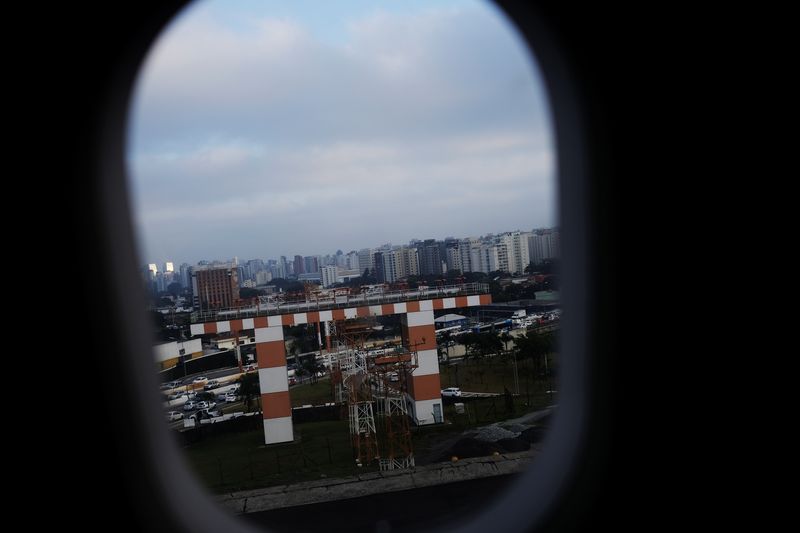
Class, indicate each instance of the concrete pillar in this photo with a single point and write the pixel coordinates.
(424, 387)
(274, 380)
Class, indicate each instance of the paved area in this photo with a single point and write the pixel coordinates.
(326, 490)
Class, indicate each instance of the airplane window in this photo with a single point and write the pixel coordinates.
(349, 239)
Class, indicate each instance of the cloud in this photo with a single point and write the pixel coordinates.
(436, 114)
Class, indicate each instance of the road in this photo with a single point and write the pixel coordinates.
(454, 353)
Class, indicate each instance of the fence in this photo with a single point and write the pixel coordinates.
(302, 306)
(324, 450)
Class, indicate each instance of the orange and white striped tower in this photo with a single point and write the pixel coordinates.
(273, 379)
(272, 375)
(424, 387)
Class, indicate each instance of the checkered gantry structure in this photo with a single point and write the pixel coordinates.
(419, 334)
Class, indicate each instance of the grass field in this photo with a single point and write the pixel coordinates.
(240, 461)
(318, 393)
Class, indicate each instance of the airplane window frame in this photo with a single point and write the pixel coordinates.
(567, 444)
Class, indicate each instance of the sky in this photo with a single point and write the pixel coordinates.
(266, 128)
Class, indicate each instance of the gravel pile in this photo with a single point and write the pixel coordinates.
(515, 428)
(494, 433)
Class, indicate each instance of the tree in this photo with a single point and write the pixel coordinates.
(471, 342)
(506, 338)
(475, 277)
(528, 292)
(249, 388)
(246, 293)
(294, 349)
(311, 366)
(453, 275)
(535, 347)
(489, 343)
(368, 278)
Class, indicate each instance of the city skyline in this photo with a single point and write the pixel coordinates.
(263, 129)
(290, 255)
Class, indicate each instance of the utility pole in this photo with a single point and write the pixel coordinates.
(516, 377)
(549, 383)
(238, 351)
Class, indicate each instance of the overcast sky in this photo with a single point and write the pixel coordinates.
(264, 128)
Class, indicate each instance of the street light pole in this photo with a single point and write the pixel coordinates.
(516, 377)
(549, 383)
(237, 349)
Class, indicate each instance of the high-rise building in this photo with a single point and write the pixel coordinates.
(512, 252)
(215, 287)
(352, 261)
(329, 275)
(263, 277)
(379, 272)
(430, 260)
(253, 267)
(311, 264)
(544, 244)
(490, 258)
(392, 265)
(283, 268)
(398, 263)
(410, 261)
(521, 254)
(186, 276)
(299, 265)
(484, 258)
(504, 250)
(453, 257)
(366, 259)
(465, 248)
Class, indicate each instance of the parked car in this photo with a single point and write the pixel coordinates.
(174, 415)
(451, 391)
(232, 397)
(205, 405)
(190, 405)
(212, 384)
(175, 395)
